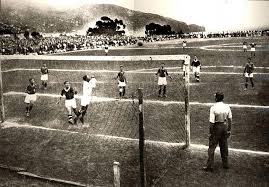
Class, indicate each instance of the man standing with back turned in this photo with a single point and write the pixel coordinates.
(220, 129)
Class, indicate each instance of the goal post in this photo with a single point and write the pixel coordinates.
(1, 94)
(184, 63)
(187, 100)
(141, 74)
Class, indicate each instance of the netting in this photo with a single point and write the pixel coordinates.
(111, 122)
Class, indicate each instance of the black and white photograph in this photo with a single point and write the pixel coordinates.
(134, 93)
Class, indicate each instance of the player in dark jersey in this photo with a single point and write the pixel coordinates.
(106, 49)
(252, 49)
(122, 81)
(31, 96)
(44, 76)
(196, 67)
(248, 73)
(245, 46)
(70, 101)
(162, 82)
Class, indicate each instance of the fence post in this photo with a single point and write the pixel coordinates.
(1, 95)
(187, 100)
(116, 170)
(141, 139)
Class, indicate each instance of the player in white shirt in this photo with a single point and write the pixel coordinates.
(184, 44)
(184, 68)
(44, 76)
(88, 85)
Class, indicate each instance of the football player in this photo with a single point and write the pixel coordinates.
(44, 76)
(248, 73)
(196, 67)
(245, 46)
(252, 49)
(122, 81)
(184, 44)
(70, 101)
(30, 96)
(106, 49)
(162, 82)
(88, 85)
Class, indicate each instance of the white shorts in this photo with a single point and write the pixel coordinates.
(247, 75)
(184, 44)
(30, 98)
(184, 68)
(252, 49)
(44, 77)
(85, 100)
(162, 81)
(121, 84)
(106, 50)
(245, 47)
(71, 103)
(196, 69)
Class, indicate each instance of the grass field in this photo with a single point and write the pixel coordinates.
(66, 155)
(231, 84)
(61, 154)
(8, 178)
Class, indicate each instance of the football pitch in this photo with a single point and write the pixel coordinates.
(47, 145)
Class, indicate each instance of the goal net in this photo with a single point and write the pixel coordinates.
(109, 117)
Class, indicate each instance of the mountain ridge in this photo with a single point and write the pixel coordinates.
(81, 18)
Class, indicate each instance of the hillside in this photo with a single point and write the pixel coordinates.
(79, 19)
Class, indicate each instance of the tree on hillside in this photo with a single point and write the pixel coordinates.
(36, 35)
(8, 29)
(107, 26)
(157, 29)
(26, 34)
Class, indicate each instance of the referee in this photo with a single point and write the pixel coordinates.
(220, 129)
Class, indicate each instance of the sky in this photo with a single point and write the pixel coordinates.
(215, 15)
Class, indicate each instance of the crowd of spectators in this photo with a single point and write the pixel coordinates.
(56, 44)
(247, 33)
(62, 43)
(156, 38)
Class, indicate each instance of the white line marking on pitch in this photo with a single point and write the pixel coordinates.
(96, 58)
(108, 99)
(179, 67)
(6, 125)
(220, 48)
(142, 71)
(62, 70)
(200, 146)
